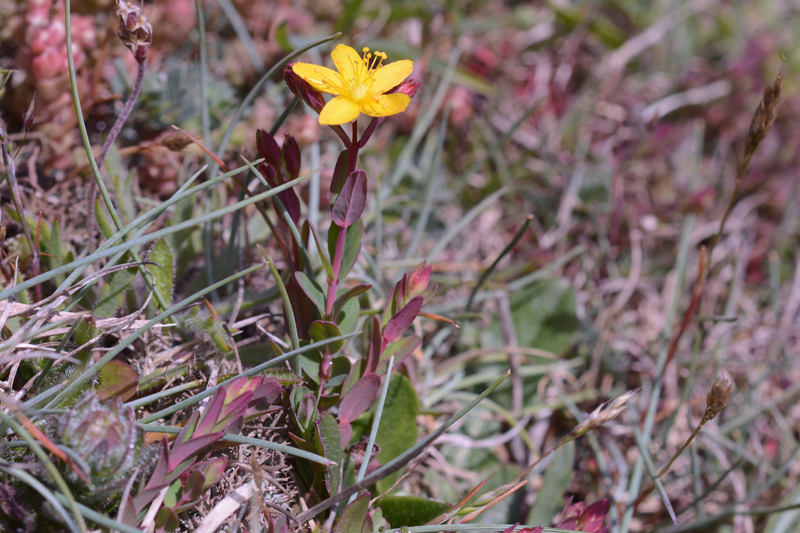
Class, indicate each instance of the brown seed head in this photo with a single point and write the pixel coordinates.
(717, 399)
(175, 142)
(764, 117)
(605, 413)
(134, 30)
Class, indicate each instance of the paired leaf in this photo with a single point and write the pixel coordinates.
(402, 319)
(350, 204)
(322, 330)
(352, 245)
(353, 292)
(359, 398)
(311, 289)
(354, 515)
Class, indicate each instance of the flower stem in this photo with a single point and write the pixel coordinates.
(341, 238)
(123, 116)
(109, 142)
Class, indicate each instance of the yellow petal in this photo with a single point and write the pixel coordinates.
(349, 63)
(391, 75)
(321, 78)
(339, 110)
(384, 106)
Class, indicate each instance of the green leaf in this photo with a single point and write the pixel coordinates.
(348, 317)
(164, 271)
(312, 290)
(102, 221)
(398, 430)
(352, 245)
(557, 477)
(545, 316)
(167, 520)
(112, 293)
(322, 330)
(347, 296)
(410, 511)
(117, 380)
(328, 442)
(353, 516)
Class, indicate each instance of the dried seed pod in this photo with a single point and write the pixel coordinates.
(717, 398)
(175, 142)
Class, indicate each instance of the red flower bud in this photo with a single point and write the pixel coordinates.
(409, 87)
(418, 280)
(302, 89)
(268, 149)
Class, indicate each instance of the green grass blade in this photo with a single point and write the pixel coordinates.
(489, 271)
(240, 439)
(100, 254)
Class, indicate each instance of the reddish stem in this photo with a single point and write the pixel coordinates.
(338, 252)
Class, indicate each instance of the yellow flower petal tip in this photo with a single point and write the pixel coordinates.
(359, 86)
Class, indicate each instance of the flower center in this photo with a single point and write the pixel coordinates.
(358, 91)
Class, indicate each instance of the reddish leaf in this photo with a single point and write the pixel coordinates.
(213, 471)
(268, 391)
(339, 173)
(350, 203)
(375, 346)
(359, 398)
(191, 448)
(402, 319)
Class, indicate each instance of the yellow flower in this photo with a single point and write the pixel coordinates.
(359, 85)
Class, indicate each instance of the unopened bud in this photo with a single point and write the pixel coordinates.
(134, 30)
(409, 87)
(302, 89)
